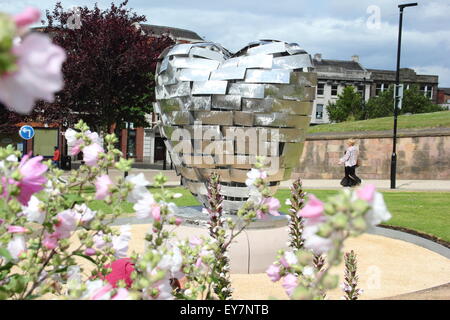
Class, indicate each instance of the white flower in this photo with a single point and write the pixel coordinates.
(315, 243)
(290, 258)
(12, 158)
(97, 290)
(70, 136)
(83, 213)
(120, 243)
(144, 207)
(253, 175)
(172, 263)
(33, 211)
(95, 138)
(139, 190)
(165, 291)
(288, 202)
(379, 211)
(308, 271)
(16, 246)
(73, 273)
(122, 294)
(91, 154)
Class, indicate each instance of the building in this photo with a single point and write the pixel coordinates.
(382, 79)
(334, 75)
(444, 97)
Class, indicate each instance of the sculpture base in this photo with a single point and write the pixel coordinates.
(193, 216)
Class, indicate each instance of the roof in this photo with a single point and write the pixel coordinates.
(176, 33)
(331, 65)
(445, 90)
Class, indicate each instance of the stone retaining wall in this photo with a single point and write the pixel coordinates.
(421, 154)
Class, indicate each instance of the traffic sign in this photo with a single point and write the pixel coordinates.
(26, 132)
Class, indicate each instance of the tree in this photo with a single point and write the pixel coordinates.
(414, 101)
(348, 106)
(109, 72)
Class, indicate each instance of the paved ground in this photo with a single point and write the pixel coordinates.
(402, 185)
(386, 267)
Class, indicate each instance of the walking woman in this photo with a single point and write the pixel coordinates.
(350, 161)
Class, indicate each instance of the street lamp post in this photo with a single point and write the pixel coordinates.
(397, 98)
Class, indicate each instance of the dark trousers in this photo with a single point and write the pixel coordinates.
(350, 179)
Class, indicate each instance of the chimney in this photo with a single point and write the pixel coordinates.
(318, 57)
(355, 58)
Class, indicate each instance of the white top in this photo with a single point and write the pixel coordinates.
(350, 157)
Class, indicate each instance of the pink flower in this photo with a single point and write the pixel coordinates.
(366, 193)
(102, 184)
(289, 283)
(67, 222)
(122, 294)
(90, 154)
(90, 251)
(313, 208)
(195, 241)
(272, 205)
(39, 73)
(103, 293)
(17, 229)
(50, 240)
(273, 272)
(28, 16)
(288, 259)
(156, 213)
(33, 180)
(178, 221)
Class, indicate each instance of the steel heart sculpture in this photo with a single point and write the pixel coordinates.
(219, 111)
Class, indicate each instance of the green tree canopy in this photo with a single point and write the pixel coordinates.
(414, 101)
(349, 106)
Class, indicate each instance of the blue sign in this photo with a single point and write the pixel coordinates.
(26, 132)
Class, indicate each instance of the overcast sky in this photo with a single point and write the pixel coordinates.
(336, 28)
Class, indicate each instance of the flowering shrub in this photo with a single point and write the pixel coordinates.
(30, 65)
(47, 225)
(326, 227)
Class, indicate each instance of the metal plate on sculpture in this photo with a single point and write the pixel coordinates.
(209, 87)
(223, 110)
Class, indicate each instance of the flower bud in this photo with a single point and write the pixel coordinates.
(340, 220)
(302, 293)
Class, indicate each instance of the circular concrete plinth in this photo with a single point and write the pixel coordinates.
(193, 216)
(386, 266)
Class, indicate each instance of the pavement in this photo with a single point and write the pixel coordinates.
(387, 267)
(401, 185)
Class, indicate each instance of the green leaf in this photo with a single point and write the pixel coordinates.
(6, 266)
(85, 256)
(5, 253)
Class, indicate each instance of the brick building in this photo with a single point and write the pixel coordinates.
(334, 75)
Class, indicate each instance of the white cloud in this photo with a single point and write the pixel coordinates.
(335, 28)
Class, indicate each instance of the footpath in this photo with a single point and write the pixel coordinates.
(401, 185)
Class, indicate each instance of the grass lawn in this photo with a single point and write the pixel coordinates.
(424, 120)
(426, 212)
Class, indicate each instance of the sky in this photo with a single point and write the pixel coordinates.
(337, 29)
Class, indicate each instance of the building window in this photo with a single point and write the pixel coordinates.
(381, 87)
(361, 90)
(427, 90)
(320, 89)
(334, 90)
(319, 111)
